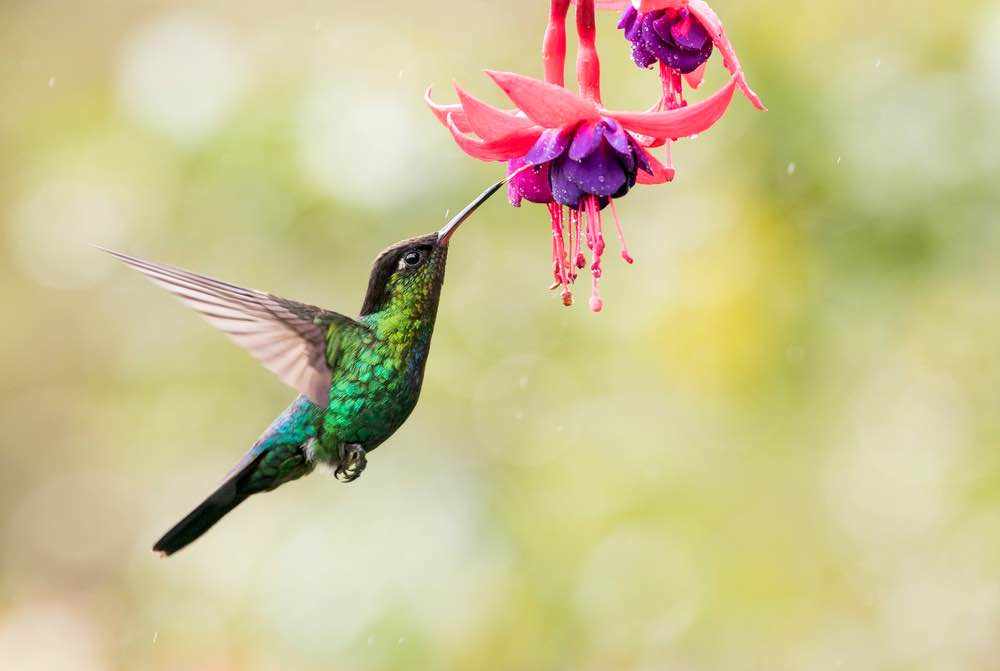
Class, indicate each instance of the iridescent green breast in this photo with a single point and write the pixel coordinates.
(378, 368)
(376, 384)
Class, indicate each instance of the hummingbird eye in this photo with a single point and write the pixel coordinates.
(411, 259)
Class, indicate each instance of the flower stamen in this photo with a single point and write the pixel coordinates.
(559, 258)
(595, 240)
(621, 236)
(575, 222)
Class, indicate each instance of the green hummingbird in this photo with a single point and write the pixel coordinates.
(358, 379)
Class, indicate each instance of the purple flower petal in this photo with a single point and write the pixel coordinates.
(564, 191)
(653, 42)
(677, 39)
(588, 137)
(642, 56)
(685, 61)
(628, 19)
(550, 144)
(628, 163)
(599, 174)
(660, 23)
(640, 157)
(688, 32)
(616, 137)
(680, 59)
(532, 183)
(634, 33)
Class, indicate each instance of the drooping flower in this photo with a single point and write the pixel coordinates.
(679, 35)
(572, 155)
(670, 36)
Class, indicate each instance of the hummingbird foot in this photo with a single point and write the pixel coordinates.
(351, 462)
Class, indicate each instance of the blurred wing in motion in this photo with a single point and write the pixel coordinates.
(290, 339)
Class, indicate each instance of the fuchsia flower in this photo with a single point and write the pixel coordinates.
(581, 156)
(568, 151)
(670, 36)
(680, 35)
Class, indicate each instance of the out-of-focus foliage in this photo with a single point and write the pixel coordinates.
(776, 448)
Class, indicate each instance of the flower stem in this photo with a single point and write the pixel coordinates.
(554, 43)
(588, 66)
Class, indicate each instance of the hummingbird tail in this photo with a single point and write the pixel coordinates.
(201, 519)
(275, 459)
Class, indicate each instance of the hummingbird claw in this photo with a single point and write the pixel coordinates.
(352, 461)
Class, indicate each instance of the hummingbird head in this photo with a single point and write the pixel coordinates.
(409, 274)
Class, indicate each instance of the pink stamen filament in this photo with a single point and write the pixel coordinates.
(595, 240)
(673, 97)
(574, 220)
(559, 259)
(672, 83)
(621, 236)
(665, 85)
(555, 249)
(571, 257)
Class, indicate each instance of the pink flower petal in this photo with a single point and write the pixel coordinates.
(641, 5)
(701, 11)
(696, 76)
(546, 104)
(503, 149)
(648, 141)
(653, 5)
(487, 121)
(683, 121)
(661, 173)
(442, 112)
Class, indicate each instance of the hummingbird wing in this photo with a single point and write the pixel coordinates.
(290, 339)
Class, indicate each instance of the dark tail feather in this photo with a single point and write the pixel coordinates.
(201, 519)
(284, 461)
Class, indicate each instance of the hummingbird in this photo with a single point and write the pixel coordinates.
(358, 379)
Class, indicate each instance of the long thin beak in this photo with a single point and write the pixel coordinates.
(449, 229)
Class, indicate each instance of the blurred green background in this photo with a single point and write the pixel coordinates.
(776, 448)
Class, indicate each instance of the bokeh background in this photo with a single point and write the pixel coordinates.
(776, 448)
